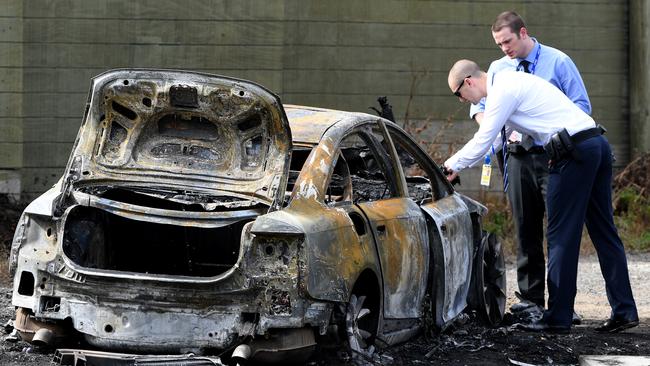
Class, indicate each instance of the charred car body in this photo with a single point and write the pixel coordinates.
(197, 212)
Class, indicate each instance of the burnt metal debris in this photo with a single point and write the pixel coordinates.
(199, 214)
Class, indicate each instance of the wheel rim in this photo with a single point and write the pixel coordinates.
(360, 338)
(492, 281)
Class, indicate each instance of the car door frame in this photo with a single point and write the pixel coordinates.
(450, 236)
(399, 228)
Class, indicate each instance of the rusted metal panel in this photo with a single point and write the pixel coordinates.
(169, 217)
(400, 233)
(76, 357)
(308, 124)
(333, 253)
(453, 225)
(218, 133)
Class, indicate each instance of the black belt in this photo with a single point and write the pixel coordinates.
(587, 134)
(561, 145)
(517, 149)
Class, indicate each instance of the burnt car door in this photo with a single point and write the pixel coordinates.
(449, 227)
(396, 222)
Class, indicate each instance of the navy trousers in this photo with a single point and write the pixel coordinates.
(580, 191)
(528, 179)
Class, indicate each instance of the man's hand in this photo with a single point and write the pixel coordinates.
(453, 178)
(451, 175)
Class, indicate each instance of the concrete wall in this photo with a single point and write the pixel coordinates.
(11, 81)
(337, 54)
(639, 77)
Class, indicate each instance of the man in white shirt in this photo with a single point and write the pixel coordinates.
(579, 187)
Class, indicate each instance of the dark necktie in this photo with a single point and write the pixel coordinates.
(526, 141)
(504, 147)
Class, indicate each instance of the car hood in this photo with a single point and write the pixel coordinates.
(190, 131)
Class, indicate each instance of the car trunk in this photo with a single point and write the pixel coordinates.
(188, 131)
(171, 166)
(127, 230)
(94, 238)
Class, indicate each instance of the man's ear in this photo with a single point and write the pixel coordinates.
(523, 33)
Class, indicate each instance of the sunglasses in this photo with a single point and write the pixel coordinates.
(457, 92)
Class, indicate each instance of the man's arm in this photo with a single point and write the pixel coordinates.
(478, 117)
(501, 105)
(476, 109)
(572, 84)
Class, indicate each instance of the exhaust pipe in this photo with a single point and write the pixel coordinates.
(39, 332)
(43, 337)
(241, 354)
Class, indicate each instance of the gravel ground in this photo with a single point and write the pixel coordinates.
(591, 300)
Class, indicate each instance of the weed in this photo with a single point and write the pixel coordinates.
(632, 210)
(499, 220)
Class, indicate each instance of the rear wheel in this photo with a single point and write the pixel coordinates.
(361, 322)
(488, 292)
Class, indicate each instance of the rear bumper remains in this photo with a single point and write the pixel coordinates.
(79, 357)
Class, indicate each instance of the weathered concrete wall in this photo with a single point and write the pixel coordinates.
(337, 54)
(11, 74)
(67, 42)
(639, 77)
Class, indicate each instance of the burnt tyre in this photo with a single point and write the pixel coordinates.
(488, 289)
(361, 322)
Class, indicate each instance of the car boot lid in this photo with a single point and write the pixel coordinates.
(195, 132)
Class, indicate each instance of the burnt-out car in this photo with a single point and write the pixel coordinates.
(197, 213)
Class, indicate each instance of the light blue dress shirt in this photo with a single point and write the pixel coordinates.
(553, 66)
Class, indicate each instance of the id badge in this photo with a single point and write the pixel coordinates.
(486, 173)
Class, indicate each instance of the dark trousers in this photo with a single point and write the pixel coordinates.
(580, 191)
(527, 181)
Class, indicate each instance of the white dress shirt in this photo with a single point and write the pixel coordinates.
(525, 103)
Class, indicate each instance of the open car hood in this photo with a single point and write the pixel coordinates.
(190, 131)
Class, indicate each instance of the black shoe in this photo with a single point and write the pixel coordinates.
(541, 326)
(577, 319)
(616, 325)
(521, 306)
(524, 304)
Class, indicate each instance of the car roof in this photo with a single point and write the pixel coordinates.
(309, 123)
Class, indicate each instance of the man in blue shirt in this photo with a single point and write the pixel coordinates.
(526, 162)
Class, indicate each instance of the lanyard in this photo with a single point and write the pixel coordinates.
(534, 64)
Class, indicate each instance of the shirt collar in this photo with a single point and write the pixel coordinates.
(531, 55)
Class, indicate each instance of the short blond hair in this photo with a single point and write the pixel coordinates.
(462, 69)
